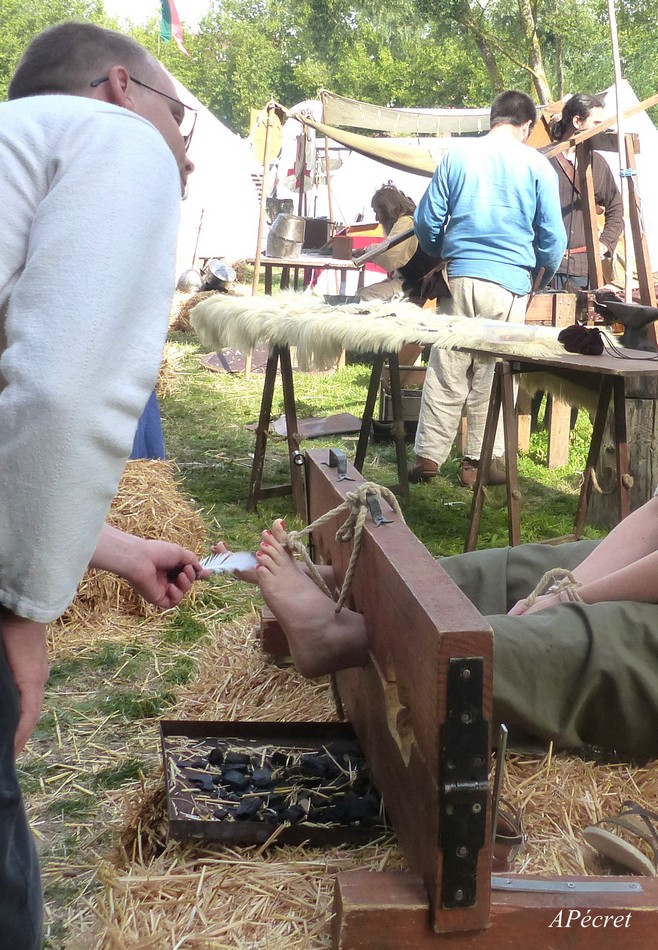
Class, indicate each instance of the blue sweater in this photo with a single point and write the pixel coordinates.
(492, 210)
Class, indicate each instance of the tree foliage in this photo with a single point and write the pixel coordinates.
(20, 21)
(402, 53)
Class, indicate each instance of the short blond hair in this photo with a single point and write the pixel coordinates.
(65, 58)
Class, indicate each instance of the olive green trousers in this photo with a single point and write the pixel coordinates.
(576, 674)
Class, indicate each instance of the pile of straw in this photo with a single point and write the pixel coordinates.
(170, 376)
(150, 505)
(183, 304)
(163, 895)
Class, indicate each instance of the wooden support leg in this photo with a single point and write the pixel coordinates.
(493, 412)
(511, 453)
(524, 402)
(263, 429)
(398, 426)
(366, 420)
(593, 455)
(621, 447)
(559, 427)
(290, 410)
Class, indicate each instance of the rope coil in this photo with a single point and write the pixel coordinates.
(558, 581)
(356, 506)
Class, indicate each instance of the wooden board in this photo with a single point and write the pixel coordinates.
(418, 623)
(388, 911)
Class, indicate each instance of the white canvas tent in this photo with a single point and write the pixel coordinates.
(407, 162)
(646, 162)
(222, 187)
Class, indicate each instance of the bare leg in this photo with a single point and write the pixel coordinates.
(320, 640)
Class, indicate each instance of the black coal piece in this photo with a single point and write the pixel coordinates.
(220, 813)
(358, 809)
(277, 802)
(314, 766)
(237, 759)
(216, 757)
(294, 814)
(247, 808)
(236, 780)
(194, 763)
(202, 780)
(262, 778)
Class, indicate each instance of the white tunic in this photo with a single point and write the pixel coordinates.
(89, 204)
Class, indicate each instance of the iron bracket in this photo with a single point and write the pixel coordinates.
(464, 792)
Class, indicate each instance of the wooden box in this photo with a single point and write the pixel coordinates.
(195, 813)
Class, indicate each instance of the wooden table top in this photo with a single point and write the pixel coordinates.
(306, 260)
(633, 362)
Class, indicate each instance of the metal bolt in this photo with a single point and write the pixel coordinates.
(462, 851)
(459, 895)
(477, 808)
(466, 718)
(466, 673)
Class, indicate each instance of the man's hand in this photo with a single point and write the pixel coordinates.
(160, 571)
(163, 572)
(27, 656)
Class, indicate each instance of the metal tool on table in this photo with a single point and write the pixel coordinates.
(635, 318)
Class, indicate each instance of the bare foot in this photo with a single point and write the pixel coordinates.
(325, 571)
(320, 640)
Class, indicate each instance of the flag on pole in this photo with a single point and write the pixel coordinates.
(170, 25)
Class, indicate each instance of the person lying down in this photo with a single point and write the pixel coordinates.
(577, 665)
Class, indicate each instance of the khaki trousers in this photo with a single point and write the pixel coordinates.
(455, 380)
(575, 674)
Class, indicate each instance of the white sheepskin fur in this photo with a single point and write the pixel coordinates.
(321, 332)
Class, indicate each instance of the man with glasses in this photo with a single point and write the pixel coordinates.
(93, 166)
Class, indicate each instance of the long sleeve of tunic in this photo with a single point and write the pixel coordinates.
(401, 254)
(89, 205)
(606, 195)
(492, 211)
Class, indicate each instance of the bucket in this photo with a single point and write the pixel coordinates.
(286, 236)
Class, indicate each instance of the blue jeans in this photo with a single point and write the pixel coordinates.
(21, 904)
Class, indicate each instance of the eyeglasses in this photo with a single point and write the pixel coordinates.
(187, 138)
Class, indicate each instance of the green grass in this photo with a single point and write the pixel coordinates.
(205, 425)
(129, 706)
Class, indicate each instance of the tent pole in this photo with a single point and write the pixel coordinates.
(623, 170)
(263, 198)
(302, 172)
(326, 170)
(261, 219)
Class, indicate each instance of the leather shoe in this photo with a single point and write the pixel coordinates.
(422, 470)
(469, 473)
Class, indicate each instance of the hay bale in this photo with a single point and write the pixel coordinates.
(180, 321)
(148, 503)
(170, 375)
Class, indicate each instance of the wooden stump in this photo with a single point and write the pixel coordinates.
(642, 428)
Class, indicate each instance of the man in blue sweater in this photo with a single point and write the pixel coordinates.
(492, 211)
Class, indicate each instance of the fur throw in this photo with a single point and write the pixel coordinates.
(320, 332)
